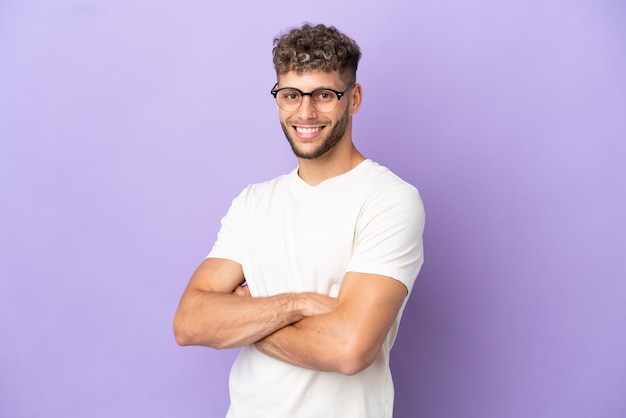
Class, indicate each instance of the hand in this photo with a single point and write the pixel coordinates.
(242, 291)
(317, 304)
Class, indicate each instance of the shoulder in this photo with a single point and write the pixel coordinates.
(390, 201)
(383, 184)
(383, 174)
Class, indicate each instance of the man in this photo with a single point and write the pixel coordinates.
(311, 271)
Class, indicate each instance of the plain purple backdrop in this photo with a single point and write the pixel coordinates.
(126, 128)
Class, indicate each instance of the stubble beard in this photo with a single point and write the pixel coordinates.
(333, 138)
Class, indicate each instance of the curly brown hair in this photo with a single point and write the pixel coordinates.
(316, 48)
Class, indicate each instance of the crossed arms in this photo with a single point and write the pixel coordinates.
(311, 330)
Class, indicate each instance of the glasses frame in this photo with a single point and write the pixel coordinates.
(338, 93)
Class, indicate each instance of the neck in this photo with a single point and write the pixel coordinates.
(339, 160)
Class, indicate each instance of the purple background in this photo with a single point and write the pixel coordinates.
(127, 127)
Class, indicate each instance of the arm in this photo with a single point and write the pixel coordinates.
(213, 313)
(348, 339)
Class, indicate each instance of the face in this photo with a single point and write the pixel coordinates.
(311, 133)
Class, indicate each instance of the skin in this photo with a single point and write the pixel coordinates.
(343, 156)
(332, 134)
(315, 331)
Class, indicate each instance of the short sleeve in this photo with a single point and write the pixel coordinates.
(389, 233)
(229, 238)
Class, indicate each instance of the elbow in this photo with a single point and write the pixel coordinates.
(181, 339)
(355, 359)
(350, 368)
(181, 336)
(185, 339)
(184, 332)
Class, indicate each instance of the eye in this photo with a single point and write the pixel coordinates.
(290, 95)
(324, 96)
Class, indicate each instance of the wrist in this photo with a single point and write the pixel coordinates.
(298, 306)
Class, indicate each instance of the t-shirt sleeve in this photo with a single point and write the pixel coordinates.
(389, 236)
(228, 244)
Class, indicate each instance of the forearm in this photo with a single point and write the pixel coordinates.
(223, 320)
(323, 343)
(347, 339)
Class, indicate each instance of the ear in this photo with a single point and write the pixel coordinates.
(356, 97)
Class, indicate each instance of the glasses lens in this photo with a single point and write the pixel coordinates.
(289, 99)
(324, 100)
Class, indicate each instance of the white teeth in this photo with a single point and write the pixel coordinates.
(307, 130)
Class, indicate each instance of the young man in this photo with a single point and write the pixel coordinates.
(311, 271)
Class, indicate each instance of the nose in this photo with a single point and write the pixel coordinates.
(306, 109)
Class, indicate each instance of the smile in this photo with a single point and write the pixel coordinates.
(303, 130)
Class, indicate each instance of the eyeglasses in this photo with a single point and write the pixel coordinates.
(323, 100)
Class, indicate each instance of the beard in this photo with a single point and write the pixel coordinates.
(333, 137)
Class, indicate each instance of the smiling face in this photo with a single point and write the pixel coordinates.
(313, 134)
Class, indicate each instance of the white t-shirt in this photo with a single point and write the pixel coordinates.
(292, 237)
